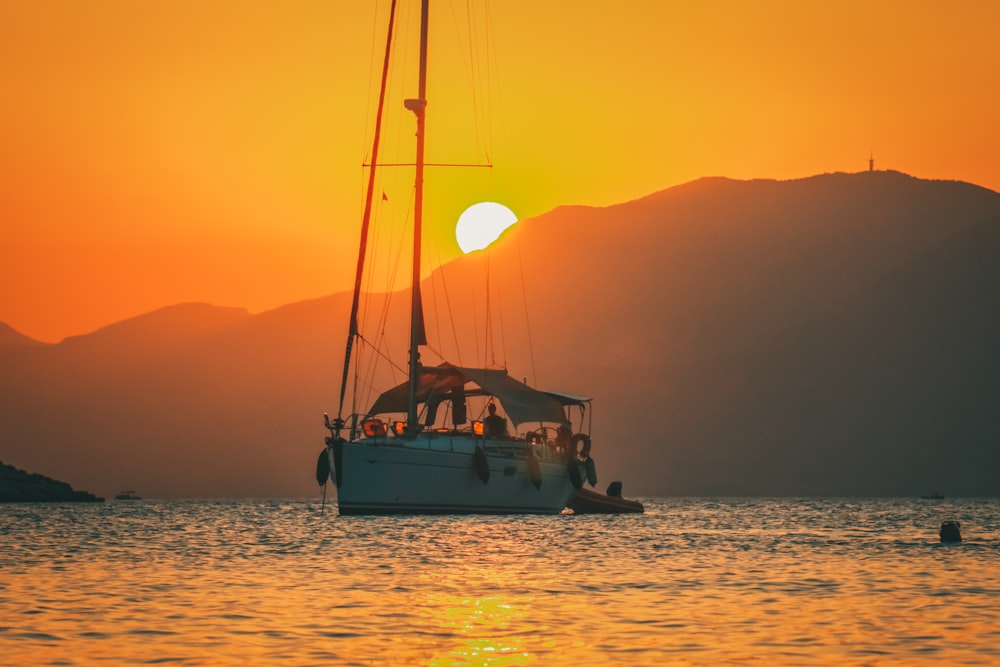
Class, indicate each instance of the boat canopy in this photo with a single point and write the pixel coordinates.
(521, 403)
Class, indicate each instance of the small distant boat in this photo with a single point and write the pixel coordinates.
(591, 502)
(933, 496)
(127, 495)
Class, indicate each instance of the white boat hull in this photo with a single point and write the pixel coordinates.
(436, 475)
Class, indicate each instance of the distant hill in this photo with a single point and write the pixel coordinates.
(18, 486)
(10, 337)
(165, 327)
(834, 335)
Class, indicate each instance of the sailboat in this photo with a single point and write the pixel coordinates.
(398, 458)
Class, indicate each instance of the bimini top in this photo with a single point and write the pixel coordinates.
(520, 402)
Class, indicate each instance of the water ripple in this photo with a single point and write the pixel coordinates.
(692, 581)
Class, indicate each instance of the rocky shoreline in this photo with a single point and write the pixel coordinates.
(18, 486)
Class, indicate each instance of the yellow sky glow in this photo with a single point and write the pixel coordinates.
(153, 153)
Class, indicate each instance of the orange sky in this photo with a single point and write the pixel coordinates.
(159, 152)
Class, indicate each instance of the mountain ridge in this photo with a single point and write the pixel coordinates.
(816, 336)
(9, 336)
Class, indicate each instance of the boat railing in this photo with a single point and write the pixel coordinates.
(541, 441)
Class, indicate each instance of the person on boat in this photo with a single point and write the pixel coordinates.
(564, 440)
(494, 426)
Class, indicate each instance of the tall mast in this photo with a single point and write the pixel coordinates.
(417, 335)
(366, 220)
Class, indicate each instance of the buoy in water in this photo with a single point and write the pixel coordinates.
(951, 531)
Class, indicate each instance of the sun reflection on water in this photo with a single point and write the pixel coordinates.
(480, 629)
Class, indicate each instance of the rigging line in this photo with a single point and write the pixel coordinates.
(400, 63)
(354, 398)
(478, 165)
(472, 67)
(489, 88)
(451, 316)
(435, 351)
(486, 316)
(367, 369)
(366, 219)
(435, 309)
(369, 381)
(440, 272)
(469, 60)
(392, 263)
(371, 75)
(374, 259)
(503, 330)
(527, 318)
(379, 342)
(384, 356)
(495, 72)
(382, 341)
(490, 338)
(377, 354)
(369, 388)
(363, 380)
(481, 360)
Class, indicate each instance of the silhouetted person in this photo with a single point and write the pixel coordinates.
(494, 426)
(564, 440)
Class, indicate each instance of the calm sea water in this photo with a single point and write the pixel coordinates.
(692, 581)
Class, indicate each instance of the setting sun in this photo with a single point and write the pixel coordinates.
(481, 224)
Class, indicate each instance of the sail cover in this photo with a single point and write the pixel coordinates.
(520, 402)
